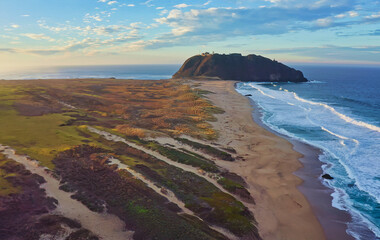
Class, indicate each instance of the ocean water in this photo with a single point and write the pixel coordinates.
(338, 111)
(146, 72)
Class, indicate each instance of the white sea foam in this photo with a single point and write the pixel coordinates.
(314, 81)
(340, 115)
(336, 135)
(353, 143)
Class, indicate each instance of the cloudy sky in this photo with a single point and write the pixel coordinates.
(86, 32)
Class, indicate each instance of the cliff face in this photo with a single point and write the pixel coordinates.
(251, 68)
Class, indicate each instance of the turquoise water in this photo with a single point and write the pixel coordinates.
(338, 112)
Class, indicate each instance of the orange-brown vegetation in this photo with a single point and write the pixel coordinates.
(162, 106)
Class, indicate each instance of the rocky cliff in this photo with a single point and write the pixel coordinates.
(251, 68)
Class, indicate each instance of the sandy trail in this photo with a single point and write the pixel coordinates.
(47, 97)
(106, 226)
(207, 176)
(281, 211)
(178, 145)
(169, 195)
(187, 168)
(115, 138)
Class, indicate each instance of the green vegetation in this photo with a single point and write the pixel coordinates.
(207, 149)
(233, 212)
(196, 192)
(231, 182)
(142, 209)
(6, 187)
(230, 185)
(192, 153)
(39, 137)
(183, 157)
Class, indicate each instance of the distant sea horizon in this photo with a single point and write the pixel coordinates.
(133, 71)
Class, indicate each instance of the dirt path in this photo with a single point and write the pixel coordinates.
(178, 145)
(106, 226)
(165, 193)
(115, 138)
(170, 196)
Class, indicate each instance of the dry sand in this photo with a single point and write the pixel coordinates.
(281, 210)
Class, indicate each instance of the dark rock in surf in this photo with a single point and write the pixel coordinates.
(327, 176)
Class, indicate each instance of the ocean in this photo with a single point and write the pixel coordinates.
(146, 72)
(338, 111)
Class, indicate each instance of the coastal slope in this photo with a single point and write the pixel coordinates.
(251, 68)
(95, 149)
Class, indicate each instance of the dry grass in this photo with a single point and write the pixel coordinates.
(163, 106)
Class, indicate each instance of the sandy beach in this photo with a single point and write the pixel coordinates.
(281, 210)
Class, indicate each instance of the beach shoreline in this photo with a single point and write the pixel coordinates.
(333, 221)
(282, 174)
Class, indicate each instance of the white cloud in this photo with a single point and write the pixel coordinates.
(373, 16)
(111, 2)
(10, 37)
(25, 15)
(88, 17)
(353, 13)
(38, 36)
(347, 14)
(311, 4)
(182, 5)
(15, 26)
(163, 12)
(324, 22)
(43, 25)
(131, 5)
(148, 3)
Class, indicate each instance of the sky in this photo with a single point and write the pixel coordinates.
(101, 32)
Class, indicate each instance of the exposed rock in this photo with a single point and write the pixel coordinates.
(251, 68)
(327, 176)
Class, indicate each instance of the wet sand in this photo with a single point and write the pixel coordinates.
(333, 221)
(281, 210)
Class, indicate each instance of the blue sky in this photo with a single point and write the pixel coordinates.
(86, 32)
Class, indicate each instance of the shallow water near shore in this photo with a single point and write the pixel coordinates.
(339, 113)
